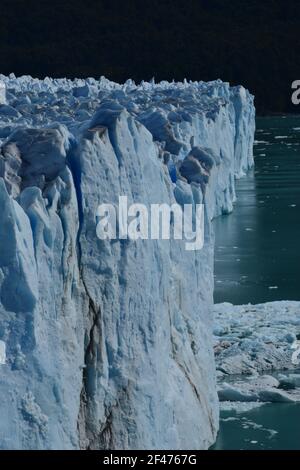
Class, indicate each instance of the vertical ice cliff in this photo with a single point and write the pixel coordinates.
(2, 93)
(108, 344)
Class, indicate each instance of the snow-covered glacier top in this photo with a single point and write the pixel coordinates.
(179, 115)
(108, 343)
(76, 100)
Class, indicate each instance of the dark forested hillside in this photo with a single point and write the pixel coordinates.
(255, 42)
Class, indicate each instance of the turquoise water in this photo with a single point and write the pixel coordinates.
(257, 259)
(257, 256)
(269, 427)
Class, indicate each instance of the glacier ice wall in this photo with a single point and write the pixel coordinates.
(2, 93)
(108, 344)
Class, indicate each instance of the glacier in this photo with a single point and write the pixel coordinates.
(2, 93)
(109, 344)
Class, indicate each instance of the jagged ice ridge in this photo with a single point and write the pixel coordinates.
(108, 344)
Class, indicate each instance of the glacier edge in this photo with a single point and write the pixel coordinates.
(109, 343)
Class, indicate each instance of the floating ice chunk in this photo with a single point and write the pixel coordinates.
(289, 382)
(240, 406)
(276, 396)
(264, 389)
(263, 381)
(230, 418)
(228, 392)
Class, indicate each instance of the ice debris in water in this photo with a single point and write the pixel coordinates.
(253, 340)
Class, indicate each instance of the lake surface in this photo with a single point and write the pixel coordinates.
(269, 427)
(257, 259)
